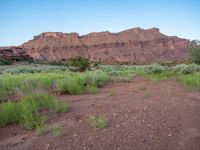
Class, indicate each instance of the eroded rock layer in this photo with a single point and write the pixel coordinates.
(14, 54)
(133, 46)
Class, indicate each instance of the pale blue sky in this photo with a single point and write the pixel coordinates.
(20, 20)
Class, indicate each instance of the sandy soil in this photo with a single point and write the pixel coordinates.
(166, 119)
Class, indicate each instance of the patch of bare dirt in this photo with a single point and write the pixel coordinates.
(168, 117)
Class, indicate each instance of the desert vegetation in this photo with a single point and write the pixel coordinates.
(96, 122)
(16, 82)
(79, 63)
(30, 94)
(195, 52)
(4, 62)
(26, 111)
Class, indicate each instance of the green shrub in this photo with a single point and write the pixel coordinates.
(179, 68)
(186, 69)
(4, 62)
(27, 83)
(114, 73)
(79, 83)
(9, 113)
(58, 132)
(68, 82)
(155, 68)
(27, 110)
(195, 52)
(190, 80)
(71, 86)
(91, 89)
(97, 122)
(79, 62)
(191, 68)
(40, 130)
(100, 78)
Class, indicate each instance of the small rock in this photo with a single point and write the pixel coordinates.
(132, 134)
(46, 146)
(117, 126)
(75, 135)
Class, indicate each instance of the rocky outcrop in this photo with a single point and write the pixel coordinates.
(133, 46)
(14, 54)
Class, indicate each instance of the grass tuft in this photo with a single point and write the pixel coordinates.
(147, 94)
(142, 88)
(40, 130)
(58, 132)
(97, 122)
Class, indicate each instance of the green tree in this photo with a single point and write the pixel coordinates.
(195, 52)
(80, 63)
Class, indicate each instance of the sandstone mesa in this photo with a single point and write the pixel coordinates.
(133, 46)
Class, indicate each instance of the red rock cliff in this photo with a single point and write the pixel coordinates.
(133, 46)
(14, 53)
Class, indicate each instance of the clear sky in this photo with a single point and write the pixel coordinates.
(20, 20)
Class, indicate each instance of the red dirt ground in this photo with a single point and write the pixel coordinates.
(167, 119)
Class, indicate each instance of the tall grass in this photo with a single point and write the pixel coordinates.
(190, 80)
(27, 111)
(26, 83)
(79, 83)
(65, 82)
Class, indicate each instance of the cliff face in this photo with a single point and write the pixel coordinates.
(14, 54)
(133, 46)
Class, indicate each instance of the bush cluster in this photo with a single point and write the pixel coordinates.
(4, 62)
(79, 63)
(195, 52)
(86, 82)
(155, 68)
(186, 69)
(65, 82)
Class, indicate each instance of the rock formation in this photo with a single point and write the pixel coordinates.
(14, 54)
(133, 46)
